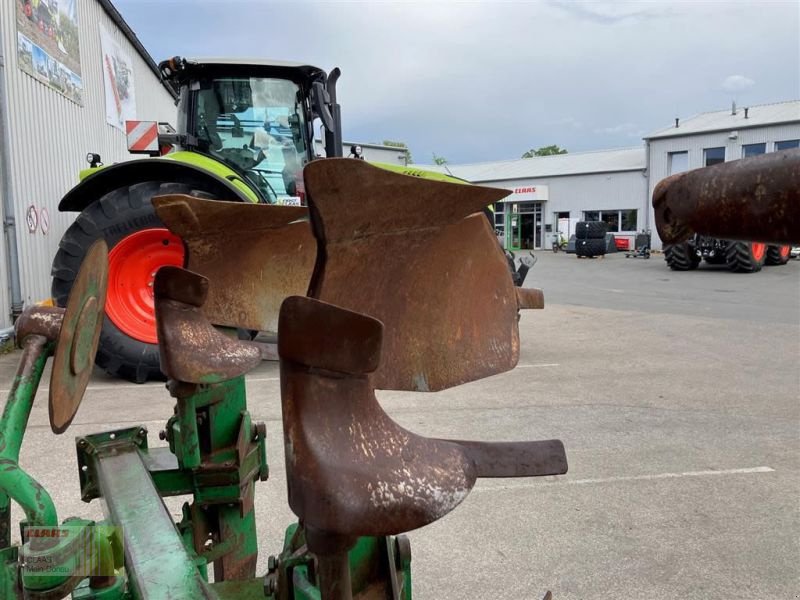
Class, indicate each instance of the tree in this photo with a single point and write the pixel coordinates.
(402, 145)
(545, 151)
(439, 160)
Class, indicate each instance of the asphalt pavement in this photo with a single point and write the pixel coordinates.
(677, 396)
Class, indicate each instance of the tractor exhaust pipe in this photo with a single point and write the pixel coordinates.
(333, 138)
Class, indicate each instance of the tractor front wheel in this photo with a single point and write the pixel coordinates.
(681, 257)
(139, 245)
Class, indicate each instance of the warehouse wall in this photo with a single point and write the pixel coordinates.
(50, 136)
(659, 149)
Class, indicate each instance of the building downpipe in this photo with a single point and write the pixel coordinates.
(9, 221)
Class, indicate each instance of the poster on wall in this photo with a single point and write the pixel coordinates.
(47, 44)
(118, 82)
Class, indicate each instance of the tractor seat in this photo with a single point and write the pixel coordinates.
(353, 471)
(192, 349)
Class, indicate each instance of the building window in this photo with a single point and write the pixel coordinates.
(753, 149)
(713, 156)
(628, 221)
(617, 220)
(787, 145)
(610, 218)
(678, 162)
(499, 217)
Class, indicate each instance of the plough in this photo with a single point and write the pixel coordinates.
(381, 306)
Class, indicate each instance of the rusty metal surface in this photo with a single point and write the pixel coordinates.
(192, 350)
(78, 338)
(39, 320)
(753, 199)
(530, 298)
(255, 255)
(420, 256)
(352, 470)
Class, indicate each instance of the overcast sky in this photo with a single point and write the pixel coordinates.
(488, 80)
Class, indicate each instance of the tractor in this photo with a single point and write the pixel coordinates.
(739, 257)
(244, 133)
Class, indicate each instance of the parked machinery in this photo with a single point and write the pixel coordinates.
(356, 479)
(244, 133)
(724, 194)
(739, 257)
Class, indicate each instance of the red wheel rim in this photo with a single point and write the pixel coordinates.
(132, 266)
(758, 249)
(784, 251)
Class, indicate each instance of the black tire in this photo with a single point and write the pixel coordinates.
(590, 247)
(681, 257)
(774, 255)
(740, 258)
(591, 230)
(116, 215)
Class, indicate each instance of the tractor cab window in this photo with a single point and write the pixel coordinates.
(257, 127)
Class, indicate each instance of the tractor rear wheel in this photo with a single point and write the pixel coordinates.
(745, 257)
(777, 255)
(139, 245)
(681, 257)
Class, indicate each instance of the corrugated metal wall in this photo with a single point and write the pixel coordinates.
(51, 135)
(659, 150)
(594, 191)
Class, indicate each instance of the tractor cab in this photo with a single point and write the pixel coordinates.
(257, 118)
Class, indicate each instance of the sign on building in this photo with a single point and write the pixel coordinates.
(118, 82)
(528, 193)
(48, 46)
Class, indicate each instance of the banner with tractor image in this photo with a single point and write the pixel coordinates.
(118, 82)
(48, 48)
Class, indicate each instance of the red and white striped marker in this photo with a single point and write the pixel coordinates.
(142, 136)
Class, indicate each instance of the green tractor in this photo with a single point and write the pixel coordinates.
(245, 131)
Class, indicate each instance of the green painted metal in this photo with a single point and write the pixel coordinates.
(85, 173)
(413, 171)
(217, 168)
(15, 483)
(251, 589)
(116, 591)
(9, 572)
(188, 442)
(61, 562)
(369, 566)
(156, 560)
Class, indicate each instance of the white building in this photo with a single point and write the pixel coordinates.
(70, 74)
(552, 193)
(714, 137)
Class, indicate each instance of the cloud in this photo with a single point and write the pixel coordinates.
(569, 122)
(607, 13)
(614, 129)
(737, 83)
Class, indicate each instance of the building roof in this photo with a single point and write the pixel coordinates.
(575, 163)
(725, 120)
